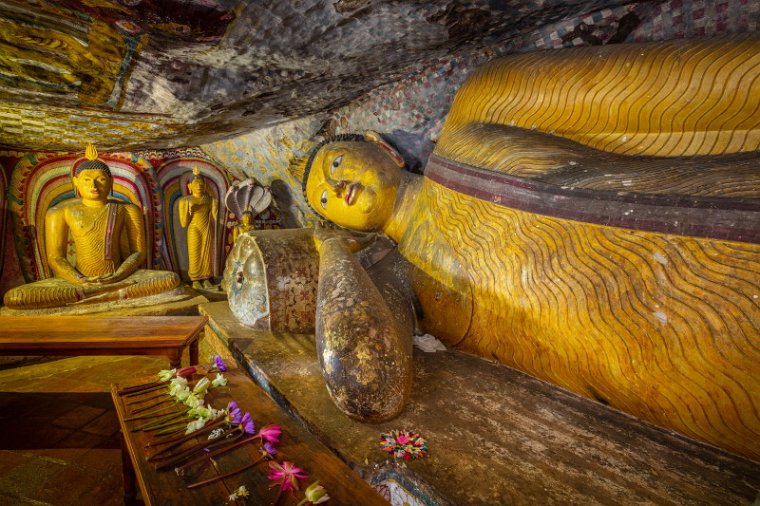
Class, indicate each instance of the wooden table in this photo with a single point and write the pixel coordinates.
(90, 335)
(165, 487)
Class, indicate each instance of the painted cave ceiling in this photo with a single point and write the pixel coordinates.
(153, 74)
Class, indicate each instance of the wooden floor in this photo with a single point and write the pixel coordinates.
(498, 436)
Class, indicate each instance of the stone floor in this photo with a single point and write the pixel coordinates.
(495, 435)
(59, 438)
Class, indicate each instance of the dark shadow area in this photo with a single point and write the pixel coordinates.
(57, 420)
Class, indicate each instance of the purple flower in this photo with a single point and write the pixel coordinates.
(247, 423)
(220, 363)
(270, 449)
(234, 413)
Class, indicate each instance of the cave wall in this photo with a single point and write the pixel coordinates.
(410, 112)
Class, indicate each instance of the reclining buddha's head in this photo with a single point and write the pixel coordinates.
(353, 181)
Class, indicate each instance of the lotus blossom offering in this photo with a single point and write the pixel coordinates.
(404, 444)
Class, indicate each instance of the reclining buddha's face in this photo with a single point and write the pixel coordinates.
(354, 184)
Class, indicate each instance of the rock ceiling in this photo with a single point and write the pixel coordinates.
(152, 74)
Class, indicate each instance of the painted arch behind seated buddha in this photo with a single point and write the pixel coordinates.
(41, 180)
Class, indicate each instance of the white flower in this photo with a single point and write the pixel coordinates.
(193, 401)
(219, 381)
(177, 385)
(182, 395)
(195, 425)
(240, 492)
(213, 413)
(201, 386)
(166, 374)
(216, 434)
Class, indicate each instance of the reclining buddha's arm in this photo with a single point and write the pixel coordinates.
(364, 354)
(675, 98)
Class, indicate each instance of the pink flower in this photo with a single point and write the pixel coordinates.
(270, 433)
(402, 439)
(186, 372)
(286, 475)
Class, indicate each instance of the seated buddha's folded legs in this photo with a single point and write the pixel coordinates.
(56, 292)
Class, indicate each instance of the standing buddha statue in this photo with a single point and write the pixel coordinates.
(198, 213)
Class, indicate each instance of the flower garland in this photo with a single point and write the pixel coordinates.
(404, 444)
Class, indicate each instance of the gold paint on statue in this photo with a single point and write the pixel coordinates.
(656, 325)
(198, 213)
(246, 225)
(344, 191)
(664, 99)
(661, 326)
(105, 269)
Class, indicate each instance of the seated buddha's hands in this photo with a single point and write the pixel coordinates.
(106, 279)
(100, 280)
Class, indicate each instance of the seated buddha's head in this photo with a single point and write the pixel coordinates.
(353, 180)
(92, 178)
(246, 218)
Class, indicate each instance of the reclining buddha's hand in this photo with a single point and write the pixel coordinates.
(353, 240)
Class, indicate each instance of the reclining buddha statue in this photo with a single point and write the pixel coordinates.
(109, 238)
(590, 216)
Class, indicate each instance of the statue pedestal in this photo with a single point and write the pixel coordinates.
(180, 301)
(495, 435)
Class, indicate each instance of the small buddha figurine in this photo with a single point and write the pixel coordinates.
(198, 213)
(245, 225)
(103, 270)
(246, 199)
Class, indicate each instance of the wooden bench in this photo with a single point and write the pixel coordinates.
(297, 445)
(90, 335)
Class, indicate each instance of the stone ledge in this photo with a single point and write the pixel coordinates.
(496, 435)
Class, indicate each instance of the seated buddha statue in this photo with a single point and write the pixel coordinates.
(107, 267)
(245, 225)
(600, 231)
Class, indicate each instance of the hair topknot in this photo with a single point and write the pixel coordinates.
(92, 165)
(91, 162)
